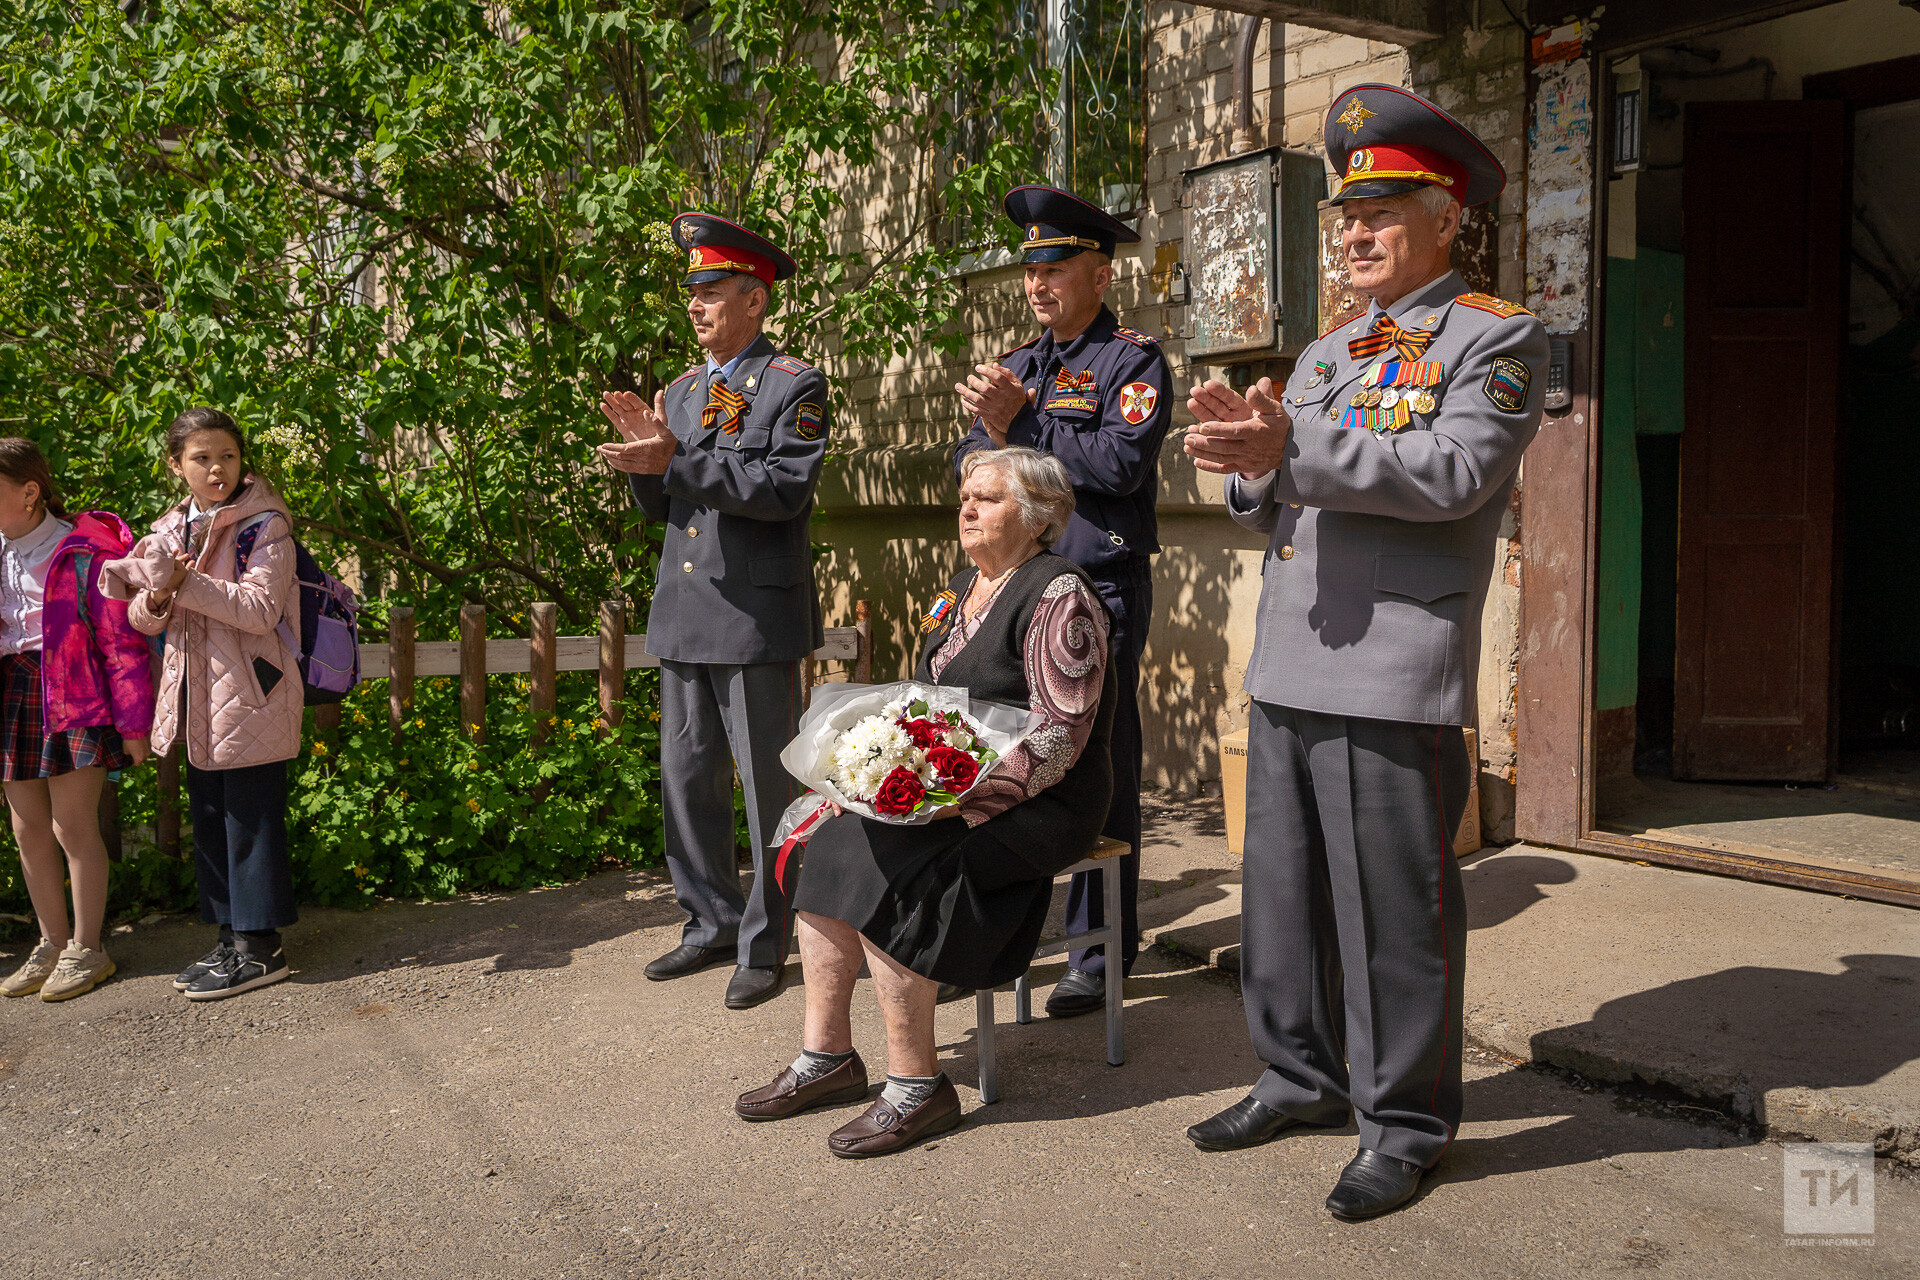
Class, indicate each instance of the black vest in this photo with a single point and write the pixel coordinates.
(993, 666)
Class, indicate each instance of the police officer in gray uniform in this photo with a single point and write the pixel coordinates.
(728, 457)
(1380, 475)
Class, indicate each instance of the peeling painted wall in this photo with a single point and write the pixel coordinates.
(1230, 243)
(1560, 195)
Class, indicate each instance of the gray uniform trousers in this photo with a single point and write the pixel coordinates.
(1353, 931)
(715, 716)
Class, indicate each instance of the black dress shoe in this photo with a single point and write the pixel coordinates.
(687, 958)
(1247, 1123)
(1373, 1183)
(1077, 993)
(750, 987)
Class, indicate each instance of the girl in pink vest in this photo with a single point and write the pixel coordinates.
(230, 692)
(76, 699)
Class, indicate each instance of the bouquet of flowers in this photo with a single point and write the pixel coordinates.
(905, 753)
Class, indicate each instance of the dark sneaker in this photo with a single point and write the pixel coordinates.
(204, 965)
(238, 972)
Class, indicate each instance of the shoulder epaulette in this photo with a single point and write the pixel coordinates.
(1136, 337)
(1341, 324)
(788, 364)
(1022, 347)
(688, 374)
(1496, 306)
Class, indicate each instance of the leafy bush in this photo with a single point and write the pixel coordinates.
(431, 814)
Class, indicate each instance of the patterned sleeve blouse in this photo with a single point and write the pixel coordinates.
(1066, 661)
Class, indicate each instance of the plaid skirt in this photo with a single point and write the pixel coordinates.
(27, 750)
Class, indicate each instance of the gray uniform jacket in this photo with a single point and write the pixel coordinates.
(1381, 543)
(736, 569)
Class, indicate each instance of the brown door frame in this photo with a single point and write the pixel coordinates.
(1554, 712)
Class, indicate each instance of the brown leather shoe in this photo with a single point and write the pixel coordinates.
(786, 1096)
(881, 1130)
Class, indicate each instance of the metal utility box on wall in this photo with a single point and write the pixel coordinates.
(1252, 246)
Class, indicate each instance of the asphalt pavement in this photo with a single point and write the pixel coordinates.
(487, 1087)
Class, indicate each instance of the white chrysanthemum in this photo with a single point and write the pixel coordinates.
(866, 753)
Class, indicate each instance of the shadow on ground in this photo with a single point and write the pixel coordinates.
(537, 929)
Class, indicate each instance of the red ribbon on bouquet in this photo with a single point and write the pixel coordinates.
(793, 842)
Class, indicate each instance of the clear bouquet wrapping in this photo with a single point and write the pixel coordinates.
(905, 753)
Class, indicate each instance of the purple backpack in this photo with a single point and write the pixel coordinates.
(329, 621)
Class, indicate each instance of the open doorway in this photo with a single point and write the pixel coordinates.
(1757, 620)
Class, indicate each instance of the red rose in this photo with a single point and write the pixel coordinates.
(956, 768)
(925, 733)
(900, 793)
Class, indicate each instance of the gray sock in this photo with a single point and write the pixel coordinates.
(904, 1093)
(811, 1065)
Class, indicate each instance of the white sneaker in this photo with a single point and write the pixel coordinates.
(29, 977)
(79, 971)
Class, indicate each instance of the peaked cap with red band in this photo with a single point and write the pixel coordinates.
(717, 249)
(1383, 140)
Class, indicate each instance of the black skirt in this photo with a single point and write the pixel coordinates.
(952, 903)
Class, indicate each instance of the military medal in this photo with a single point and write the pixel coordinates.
(1322, 374)
(1391, 392)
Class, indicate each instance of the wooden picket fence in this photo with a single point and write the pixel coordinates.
(473, 657)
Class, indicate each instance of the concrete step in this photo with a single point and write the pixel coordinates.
(1797, 1012)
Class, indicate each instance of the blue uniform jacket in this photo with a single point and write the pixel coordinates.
(1104, 405)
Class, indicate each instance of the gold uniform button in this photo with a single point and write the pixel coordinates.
(687, 567)
(1286, 553)
(693, 533)
(1294, 505)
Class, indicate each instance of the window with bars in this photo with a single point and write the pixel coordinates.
(1097, 139)
(1093, 141)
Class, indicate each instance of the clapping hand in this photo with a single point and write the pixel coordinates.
(646, 445)
(993, 395)
(1244, 434)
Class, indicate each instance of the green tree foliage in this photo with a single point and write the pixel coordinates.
(408, 244)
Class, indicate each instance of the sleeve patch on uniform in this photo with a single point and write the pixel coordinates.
(1507, 384)
(1137, 401)
(1497, 306)
(788, 364)
(809, 421)
(1136, 337)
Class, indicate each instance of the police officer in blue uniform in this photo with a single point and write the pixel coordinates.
(1097, 396)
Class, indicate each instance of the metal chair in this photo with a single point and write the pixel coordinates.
(1105, 851)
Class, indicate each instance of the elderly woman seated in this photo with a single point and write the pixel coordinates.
(960, 900)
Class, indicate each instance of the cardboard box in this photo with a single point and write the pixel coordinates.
(1467, 839)
(1233, 790)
